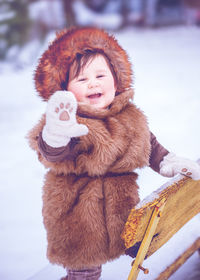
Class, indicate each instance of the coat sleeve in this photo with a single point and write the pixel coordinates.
(93, 153)
(158, 152)
(57, 154)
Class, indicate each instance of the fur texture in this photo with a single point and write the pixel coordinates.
(87, 201)
(54, 64)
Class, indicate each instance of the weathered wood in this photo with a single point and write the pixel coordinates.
(179, 261)
(182, 204)
(137, 264)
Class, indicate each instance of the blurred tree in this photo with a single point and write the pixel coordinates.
(14, 24)
(96, 5)
(69, 12)
(192, 3)
(169, 2)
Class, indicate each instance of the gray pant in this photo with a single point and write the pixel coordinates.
(86, 274)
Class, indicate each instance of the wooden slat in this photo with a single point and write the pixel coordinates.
(181, 207)
(179, 261)
(182, 204)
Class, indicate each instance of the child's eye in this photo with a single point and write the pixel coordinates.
(82, 79)
(100, 76)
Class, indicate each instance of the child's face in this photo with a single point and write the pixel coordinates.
(95, 84)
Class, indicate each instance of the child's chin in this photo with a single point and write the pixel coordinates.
(97, 106)
(93, 105)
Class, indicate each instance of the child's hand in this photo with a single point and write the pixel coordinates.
(61, 122)
(172, 165)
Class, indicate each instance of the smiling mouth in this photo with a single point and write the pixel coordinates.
(95, 95)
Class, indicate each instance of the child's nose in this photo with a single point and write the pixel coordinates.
(93, 84)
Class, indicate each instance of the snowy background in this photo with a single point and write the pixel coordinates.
(166, 64)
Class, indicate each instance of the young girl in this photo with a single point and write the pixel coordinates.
(92, 138)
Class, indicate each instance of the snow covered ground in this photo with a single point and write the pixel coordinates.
(167, 71)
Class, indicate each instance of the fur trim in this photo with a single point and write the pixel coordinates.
(85, 216)
(55, 62)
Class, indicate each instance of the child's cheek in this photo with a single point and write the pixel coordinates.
(75, 90)
(79, 96)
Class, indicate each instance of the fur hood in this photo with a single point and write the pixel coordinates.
(50, 75)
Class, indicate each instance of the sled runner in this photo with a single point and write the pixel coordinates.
(157, 218)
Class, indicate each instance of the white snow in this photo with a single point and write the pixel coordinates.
(44, 11)
(111, 19)
(155, 194)
(167, 71)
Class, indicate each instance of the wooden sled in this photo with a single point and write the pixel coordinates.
(157, 218)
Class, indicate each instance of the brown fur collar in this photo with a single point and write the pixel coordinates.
(119, 103)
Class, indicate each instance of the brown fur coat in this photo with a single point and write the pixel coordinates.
(86, 200)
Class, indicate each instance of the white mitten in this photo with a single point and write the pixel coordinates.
(172, 165)
(61, 122)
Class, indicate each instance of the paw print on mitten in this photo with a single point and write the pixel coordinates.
(185, 172)
(61, 116)
(61, 108)
(64, 111)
